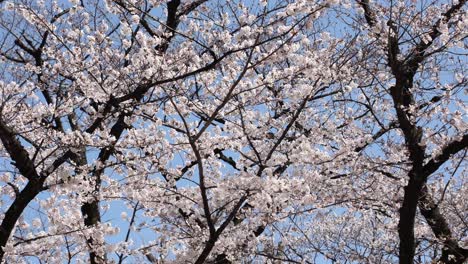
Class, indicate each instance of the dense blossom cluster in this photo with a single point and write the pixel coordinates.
(200, 131)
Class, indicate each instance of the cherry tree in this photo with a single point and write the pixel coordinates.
(406, 182)
(232, 131)
(420, 45)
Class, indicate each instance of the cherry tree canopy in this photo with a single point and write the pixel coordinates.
(200, 131)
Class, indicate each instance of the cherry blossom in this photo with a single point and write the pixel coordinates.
(233, 131)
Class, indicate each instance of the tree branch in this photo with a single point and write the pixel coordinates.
(452, 253)
(449, 150)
